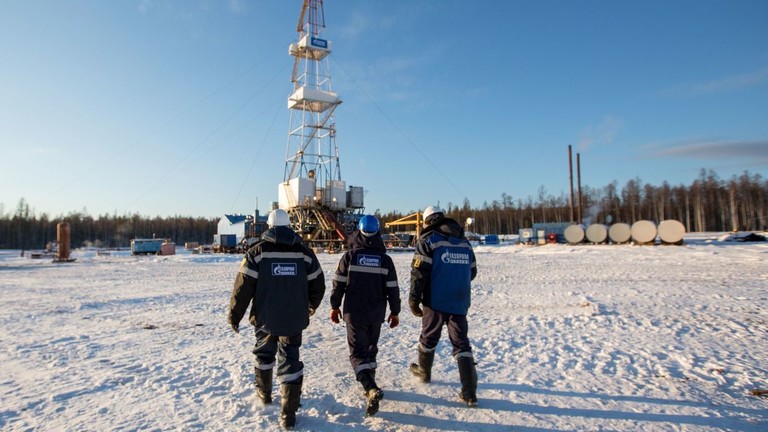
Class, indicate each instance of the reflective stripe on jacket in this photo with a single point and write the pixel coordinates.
(443, 267)
(280, 279)
(366, 280)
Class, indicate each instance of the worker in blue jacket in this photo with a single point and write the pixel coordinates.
(442, 269)
(367, 281)
(282, 282)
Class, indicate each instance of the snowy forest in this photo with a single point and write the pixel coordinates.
(708, 204)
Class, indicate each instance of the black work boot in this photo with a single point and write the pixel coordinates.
(373, 397)
(423, 370)
(291, 397)
(264, 385)
(468, 377)
(373, 394)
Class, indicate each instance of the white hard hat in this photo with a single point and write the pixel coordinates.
(432, 210)
(278, 217)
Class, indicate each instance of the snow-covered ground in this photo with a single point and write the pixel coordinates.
(618, 338)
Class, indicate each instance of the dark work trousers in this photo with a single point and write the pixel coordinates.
(432, 326)
(290, 370)
(363, 341)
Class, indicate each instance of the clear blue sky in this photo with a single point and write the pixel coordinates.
(177, 107)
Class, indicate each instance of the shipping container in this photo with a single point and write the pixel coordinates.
(543, 230)
(168, 248)
(526, 236)
(146, 246)
(225, 240)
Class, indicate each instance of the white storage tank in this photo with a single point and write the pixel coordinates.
(643, 232)
(574, 234)
(620, 233)
(671, 231)
(597, 233)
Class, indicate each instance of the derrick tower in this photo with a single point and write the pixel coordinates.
(322, 210)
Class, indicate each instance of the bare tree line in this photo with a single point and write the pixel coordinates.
(708, 204)
(25, 230)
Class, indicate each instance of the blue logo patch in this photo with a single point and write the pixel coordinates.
(369, 260)
(454, 257)
(284, 269)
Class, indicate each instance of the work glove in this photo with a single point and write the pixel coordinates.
(311, 311)
(335, 314)
(393, 321)
(415, 309)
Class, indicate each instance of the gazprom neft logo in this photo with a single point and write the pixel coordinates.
(284, 269)
(454, 258)
(320, 43)
(369, 260)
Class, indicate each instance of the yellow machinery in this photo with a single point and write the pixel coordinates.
(411, 219)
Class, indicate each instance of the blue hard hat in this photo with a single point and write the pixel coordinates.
(368, 225)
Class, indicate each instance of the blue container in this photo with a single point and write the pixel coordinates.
(146, 246)
(227, 240)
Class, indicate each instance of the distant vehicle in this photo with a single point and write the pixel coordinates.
(146, 246)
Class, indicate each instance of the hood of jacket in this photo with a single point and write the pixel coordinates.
(445, 226)
(357, 240)
(281, 235)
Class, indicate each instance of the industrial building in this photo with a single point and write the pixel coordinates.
(246, 229)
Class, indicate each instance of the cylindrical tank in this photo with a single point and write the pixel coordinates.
(620, 233)
(643, 232)
(597, 233)
(671, 231)
(63, 237)
(574, 234)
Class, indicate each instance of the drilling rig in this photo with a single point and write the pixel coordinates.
(323, 211)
